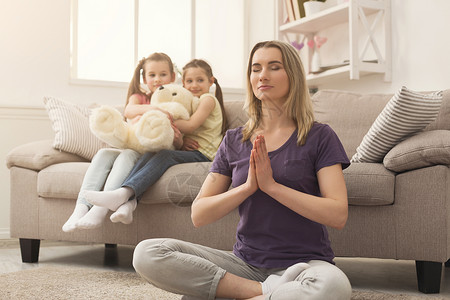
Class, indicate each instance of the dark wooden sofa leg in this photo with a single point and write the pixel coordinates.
(29, 249)
(110, 246)
(428, 276)
(111, 257)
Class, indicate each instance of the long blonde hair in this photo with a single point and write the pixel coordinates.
(135, 83)
(298, 105)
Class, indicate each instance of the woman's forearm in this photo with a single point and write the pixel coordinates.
(208, 209)
(327, 211)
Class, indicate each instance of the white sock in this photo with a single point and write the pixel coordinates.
(274, 281)
(109, 199)
(93, 219)
(124, 213)
(79, 211)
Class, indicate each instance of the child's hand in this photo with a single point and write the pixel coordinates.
(169, 116)
(263, 169)
(177, 137)
(189, 144)
(135, 119)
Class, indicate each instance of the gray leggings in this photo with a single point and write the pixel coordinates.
(194, 270)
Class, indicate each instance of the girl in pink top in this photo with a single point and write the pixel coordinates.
(110, 167)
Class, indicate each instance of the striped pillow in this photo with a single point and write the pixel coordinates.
(71, 125)
(407, 113)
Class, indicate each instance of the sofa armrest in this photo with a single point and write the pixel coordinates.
(39, 155)
(425, 149)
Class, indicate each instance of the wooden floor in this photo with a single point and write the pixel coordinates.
(383, 275)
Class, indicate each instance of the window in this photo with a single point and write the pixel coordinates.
(109, 37)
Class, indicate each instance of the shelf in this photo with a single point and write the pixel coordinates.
(341, 72)
(332, 75)
(355, 13)
(329, 17)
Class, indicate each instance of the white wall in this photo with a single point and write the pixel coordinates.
(34, 61)
(34, 56)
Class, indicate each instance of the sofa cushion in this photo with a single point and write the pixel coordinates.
(369, 184)
(407, 112)
(422, 150)
(179, 185)
(71, 125)
(38, 155)
(61, 181)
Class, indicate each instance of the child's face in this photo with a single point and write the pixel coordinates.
(157, 73)
(196, 81)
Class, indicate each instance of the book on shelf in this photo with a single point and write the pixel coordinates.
(299, 10)
(290, 10)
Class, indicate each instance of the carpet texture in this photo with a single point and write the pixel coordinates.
(57, 282)
(78, 283)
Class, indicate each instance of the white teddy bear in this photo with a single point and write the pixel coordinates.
(153, 131)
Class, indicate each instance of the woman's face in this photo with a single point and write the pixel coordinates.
(268, 76)
(157, 73)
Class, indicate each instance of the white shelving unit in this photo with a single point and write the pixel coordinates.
(355, 13)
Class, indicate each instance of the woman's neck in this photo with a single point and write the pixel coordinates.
(274, 117)
(276, 130)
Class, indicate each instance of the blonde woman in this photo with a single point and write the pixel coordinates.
(288, 184)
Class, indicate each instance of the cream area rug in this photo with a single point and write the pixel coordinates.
(55, 283)
(60, 282)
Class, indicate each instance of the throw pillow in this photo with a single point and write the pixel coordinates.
(407, 113)
(425, 149)
(71, 125)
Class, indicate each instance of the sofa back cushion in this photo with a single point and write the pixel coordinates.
(349, 114)
(442, 121)
(352, 114)
(236, 115)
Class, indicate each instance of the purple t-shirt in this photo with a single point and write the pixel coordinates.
(270, 235)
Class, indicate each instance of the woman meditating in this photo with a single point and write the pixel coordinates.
(288, 184)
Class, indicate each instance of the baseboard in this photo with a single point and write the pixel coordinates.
(4, 234)
(23, 113)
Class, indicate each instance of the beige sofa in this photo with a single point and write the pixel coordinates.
(402, 214)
